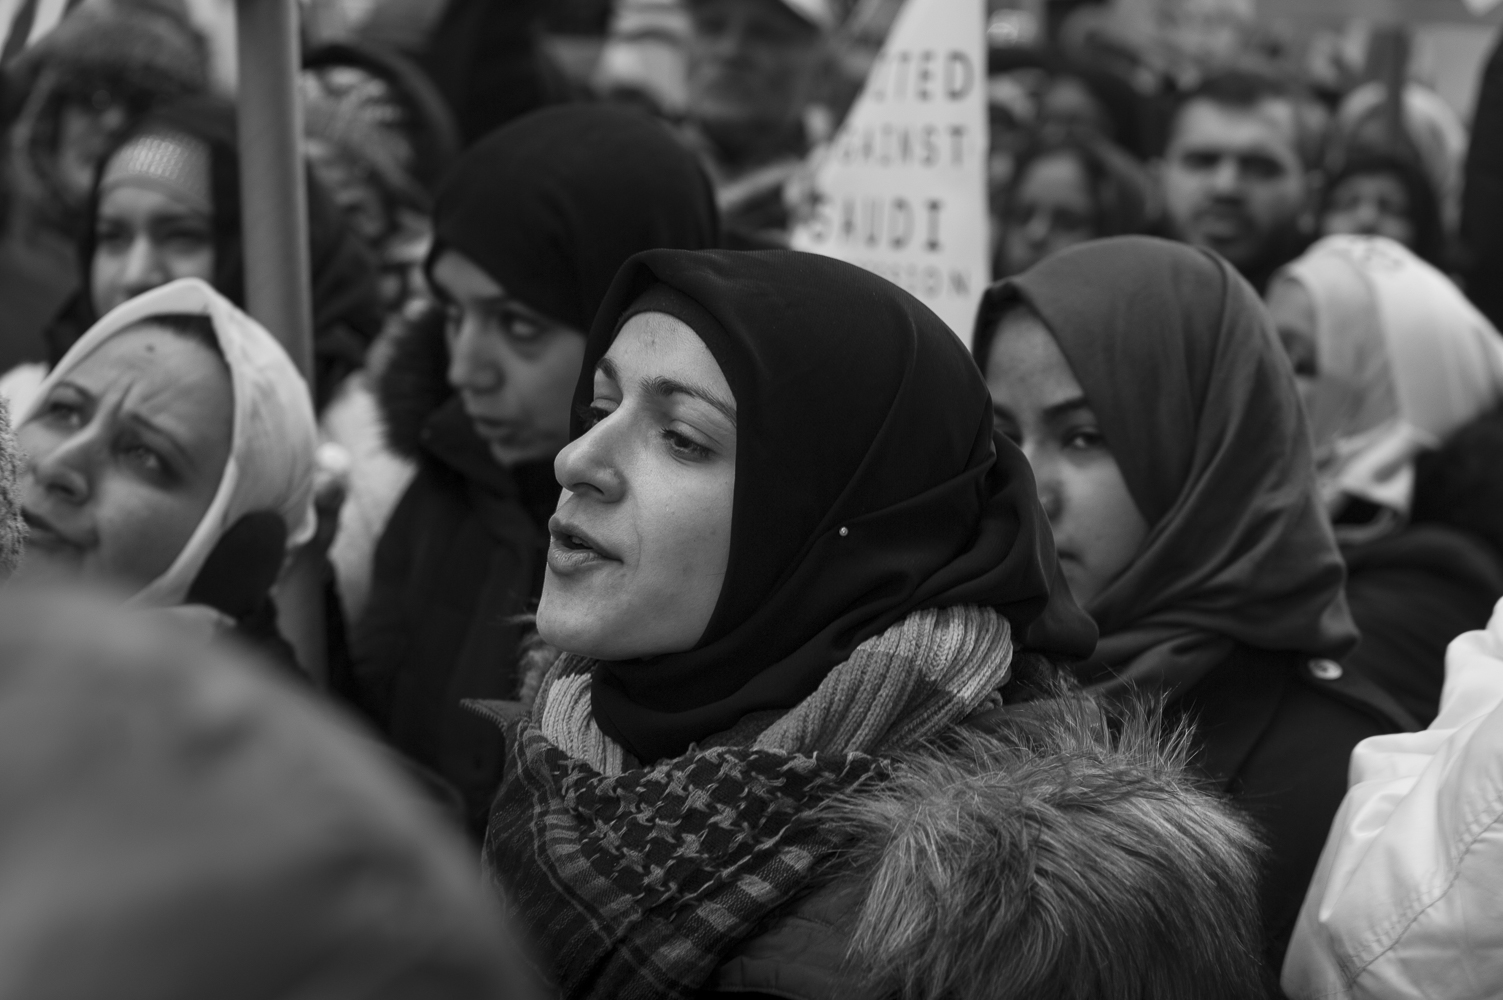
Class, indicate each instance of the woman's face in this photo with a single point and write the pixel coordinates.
(514, 369)
(643, 531)
(1370, 205)
(123, 458)
(1293, 312)
(143, 238)
(1098, 529)
(1052, 208)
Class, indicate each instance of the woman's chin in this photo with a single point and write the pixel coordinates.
(49, 567)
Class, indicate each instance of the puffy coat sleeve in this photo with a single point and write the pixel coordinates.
(1407, 900)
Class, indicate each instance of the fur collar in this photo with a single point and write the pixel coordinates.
(1049, 848)
(413, 382)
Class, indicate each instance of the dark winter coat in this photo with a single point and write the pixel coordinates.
(461, 558)
(1482, 195)
(1414, 591)
(1274, 731)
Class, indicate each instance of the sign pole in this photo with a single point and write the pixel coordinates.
(274, 214)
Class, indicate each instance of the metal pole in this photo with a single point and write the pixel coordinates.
(274, 210)
(273, 199)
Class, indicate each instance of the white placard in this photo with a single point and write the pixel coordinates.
(901, 190)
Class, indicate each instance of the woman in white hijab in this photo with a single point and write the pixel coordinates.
(1393, 362)
(170, 456)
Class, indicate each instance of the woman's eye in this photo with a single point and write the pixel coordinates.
(64, 412)
(1083, 440)
(596, 412)
(684, 445)
(520, 327)
(111, 238)
(145, 459)
(185, 239)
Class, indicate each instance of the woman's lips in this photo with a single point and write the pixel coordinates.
(43, 534)
(572, 550)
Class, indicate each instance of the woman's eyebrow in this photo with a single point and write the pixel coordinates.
(662, 386)
(1067, 406)
(165, 437)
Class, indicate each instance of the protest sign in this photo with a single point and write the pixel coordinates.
(901, 190)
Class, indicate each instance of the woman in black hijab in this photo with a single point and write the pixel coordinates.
(1145, 382)
(529, 228)
(792, 571)
(184, 157)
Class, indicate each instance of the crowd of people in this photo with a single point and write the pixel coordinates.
(756, 636)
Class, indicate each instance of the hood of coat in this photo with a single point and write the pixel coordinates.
(1043, 847)
(414, 384)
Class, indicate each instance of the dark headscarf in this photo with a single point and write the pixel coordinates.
(1424, 204)
(551, 205)
(1179, 361)
(869, 485)
(346, 295)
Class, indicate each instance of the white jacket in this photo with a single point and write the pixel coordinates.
(1408, 898)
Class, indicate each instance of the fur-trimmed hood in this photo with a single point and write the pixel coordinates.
(413, 383)
(1041, 849)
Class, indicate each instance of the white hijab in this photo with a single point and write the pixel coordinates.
(274, 435)
(1403, 361)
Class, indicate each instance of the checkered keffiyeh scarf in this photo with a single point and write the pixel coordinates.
(638, 881)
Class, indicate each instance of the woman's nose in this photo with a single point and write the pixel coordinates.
(590, 465)
(144, 269)
(64, 472)
(1046, 480)
(471, 366)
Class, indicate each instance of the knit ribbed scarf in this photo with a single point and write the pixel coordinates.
(638, 881)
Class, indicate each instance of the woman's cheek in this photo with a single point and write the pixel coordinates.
(141, 531)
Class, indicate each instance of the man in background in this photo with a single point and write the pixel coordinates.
(754, 71)
(1238, 172)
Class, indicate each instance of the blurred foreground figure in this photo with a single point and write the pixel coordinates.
(1408, 899)
(175, 825)
(1236, 173)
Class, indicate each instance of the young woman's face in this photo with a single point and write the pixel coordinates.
(643, 531)
(123, 459)
(514, 370)
(1052, 208)
(143, 238)
(1373, 204)
(1098, 529)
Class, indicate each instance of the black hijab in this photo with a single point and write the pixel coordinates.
(869, 484)
(550, 205)
(347, 312)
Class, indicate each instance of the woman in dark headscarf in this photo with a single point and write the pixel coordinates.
(1145, 383)
(529, 228)
(796, 575)
(167, 206)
